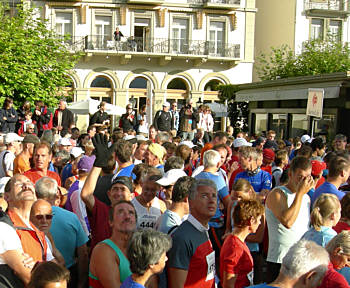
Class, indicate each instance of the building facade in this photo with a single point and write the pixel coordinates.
(293, 22)
(171, 50)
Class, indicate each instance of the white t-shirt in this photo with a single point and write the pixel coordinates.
(9, 240)
(6, 161)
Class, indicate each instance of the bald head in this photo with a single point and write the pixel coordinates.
(41, 215)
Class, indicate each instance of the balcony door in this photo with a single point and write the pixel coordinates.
(142, 34)
(216, 38)
(180, 35)
(103, 31)
(64, 25)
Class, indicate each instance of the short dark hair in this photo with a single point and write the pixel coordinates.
(174, 162)
(47, 272)
(300, 162)
(123, 150)
(181, 188)
(110, 165)
(74, 129)
(345, 206)
(317, 143)
(280, 156)
(111, 211)
(305, 151)
(220, 134)
(337, 165)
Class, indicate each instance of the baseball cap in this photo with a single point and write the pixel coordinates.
(12, 137)
(305, 138)
(170, 177)
(76, 152)
(317, 167)
(187, 143)
(240, 142)
(269, 154)
(126, 181)
(259, 140)
(166, 104)
(86, 163)
(30, 138)
(64, 142)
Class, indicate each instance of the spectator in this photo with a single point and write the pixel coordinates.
(188, 121)
(142, 125)
(110, 253)
(340, 142)
(42, 117)
(192, 259)
(67, 233)
(175, 118)
(152, 133)
(147, 255)
(21, 112)
(325, 215)
(288, 213)
(128, 120)
(318, 149)
(339, 171)
(236, 262)
(100, 117)
(63, 118)
(304, 265)
(270, 140)
(8, 116)
(163, 119)
(25, 124)
(49, 274)
(91, 130)
(117, 34)
(206, 122)
(7, 157)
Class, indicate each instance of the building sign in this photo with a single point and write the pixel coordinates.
(315, 103)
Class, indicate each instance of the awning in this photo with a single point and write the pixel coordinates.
(90, 106)
(220, 110)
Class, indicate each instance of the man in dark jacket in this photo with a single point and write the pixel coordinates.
(8, 116)
(188, 121)
(128, 120)
(42, 117)
(63, 118)
(163, 119)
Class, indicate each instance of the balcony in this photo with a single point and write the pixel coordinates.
(147, 2)
(74, 44)
(222, 4)
(159, 47)
(326, 7)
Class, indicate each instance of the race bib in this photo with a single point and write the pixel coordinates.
(147, 221)
(211, 266)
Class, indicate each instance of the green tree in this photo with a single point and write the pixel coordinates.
(33, 59)
(317, 57)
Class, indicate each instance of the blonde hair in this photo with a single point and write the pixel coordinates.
(342, 241)
(323, 208)
(244, 186)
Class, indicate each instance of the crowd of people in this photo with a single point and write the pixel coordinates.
(172, 204)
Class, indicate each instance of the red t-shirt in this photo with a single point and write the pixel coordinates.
(320, 182)
(333, 279)
(206, 147)
(235, 258)
(233, 176)
(341, 226)
(267, 168)
(100, 228)
(33, 175)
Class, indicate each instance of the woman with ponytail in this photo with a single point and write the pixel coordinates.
(325, 215)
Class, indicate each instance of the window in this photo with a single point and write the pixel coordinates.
(299, 125)
(180, 35)
(279, 124)
(103, 28)
(317, 28)
(260, 123)
(216, 38)
(64, 23)
(335, 30)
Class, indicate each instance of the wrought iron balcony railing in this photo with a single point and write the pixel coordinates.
(162, 46)
(333, 5)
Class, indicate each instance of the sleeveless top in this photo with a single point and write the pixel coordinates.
(280, 237)
(147, 218)
(124, 266)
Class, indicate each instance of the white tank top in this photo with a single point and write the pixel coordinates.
(282, 238)
(147, 218)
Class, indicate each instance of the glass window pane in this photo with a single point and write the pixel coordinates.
(317, 26)
(260, 123)
(279, 124)
(299, 125)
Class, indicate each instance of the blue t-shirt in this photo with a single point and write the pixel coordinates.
(321, 237)
(66, 173)
(218, 220)
(327, 187)
(67, 234)
(259, 181)
(126, 171)
(129, 283)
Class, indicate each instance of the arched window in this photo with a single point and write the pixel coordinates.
(212, 85)
(101, 82)
(139, 82)
(177, 83)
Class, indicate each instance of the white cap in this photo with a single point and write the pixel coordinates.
(240, 142)
(166, 104)
(64, 142)
(12, 137)
(141, 137)
(76, 152)
(305, 138)
(170, 177)
(3, 182)
(187, 143)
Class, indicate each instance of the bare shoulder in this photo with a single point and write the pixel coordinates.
(274, 198)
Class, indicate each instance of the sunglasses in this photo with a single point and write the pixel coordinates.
(46, 217)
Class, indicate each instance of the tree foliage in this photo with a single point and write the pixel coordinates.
(317, 57)
(33, 59)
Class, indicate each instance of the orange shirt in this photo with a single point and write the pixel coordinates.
(33, 175)
(21, 164)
